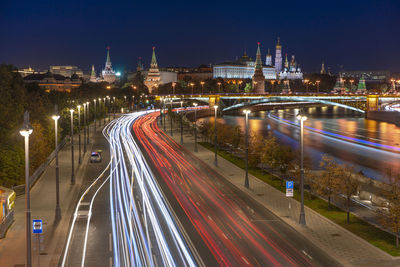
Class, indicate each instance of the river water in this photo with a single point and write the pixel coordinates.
(373, 161)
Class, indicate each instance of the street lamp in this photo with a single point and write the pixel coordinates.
(306, 83)
(170, 116)
(215, 136)
(173, 88)
(181, 122)
(79, 133)
(202, 87)
(318, 81)
(72, 147)
(192, 85)
(195, 127)
(219, 86)
(100, 112)
(25, 131)
(88, 117)
(105, 114)
(95, 114)
(302, 117)
(164, 114)
(84, 128)
(114, 106)
(246, 178)
(55, 117)
(351, 85)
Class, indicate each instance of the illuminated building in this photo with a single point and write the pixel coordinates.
(243, 68)
(108, 73)
(93, 78)
(369, 75)
(323, 71)
(153, 76)
(286, 87)
(339, 87)
(258, 77)
(54, 82)
(26, 72)
(66, 71)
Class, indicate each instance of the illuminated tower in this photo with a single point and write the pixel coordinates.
(323, 71)
(339, 86)
(268, 59)
(361, 87)
(139, 66)
(93, 75)
(258, 77)
(278, 57)
(108, 72)
(153, 75)
(286, 63)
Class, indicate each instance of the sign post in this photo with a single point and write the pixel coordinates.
(37, 228)
(289, 192)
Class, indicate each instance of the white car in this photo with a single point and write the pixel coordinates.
(95, 157)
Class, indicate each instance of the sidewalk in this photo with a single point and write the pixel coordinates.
(344, 246)
(43, 202)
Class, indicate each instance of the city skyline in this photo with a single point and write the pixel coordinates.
(357, 36)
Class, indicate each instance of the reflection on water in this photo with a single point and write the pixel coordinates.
(372, 162)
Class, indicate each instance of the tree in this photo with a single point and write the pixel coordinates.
(256, 148)
(328, 182)
(347, 184)
(391, 218)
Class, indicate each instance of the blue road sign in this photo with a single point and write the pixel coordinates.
(289, 185)
(37, 226)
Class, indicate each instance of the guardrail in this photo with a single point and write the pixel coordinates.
(6, 223)
(20, 189)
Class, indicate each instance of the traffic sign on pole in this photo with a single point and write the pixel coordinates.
(37, 226)
(289, 188)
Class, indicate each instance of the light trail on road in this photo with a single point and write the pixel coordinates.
(234, 234)
(145, 231)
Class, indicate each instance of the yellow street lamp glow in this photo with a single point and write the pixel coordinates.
(246, 111)
(71, 110)
(216, 106)
(195, 104)
(301, 117)
(25, 132)
(55, 117)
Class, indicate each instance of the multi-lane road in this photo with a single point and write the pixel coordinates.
(153, 203)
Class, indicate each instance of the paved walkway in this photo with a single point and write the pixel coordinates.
(43, 199)
(347, 248)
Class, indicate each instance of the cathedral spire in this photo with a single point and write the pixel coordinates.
(268, 59)
(323, 71)
(286, 62)
(93, 75)
(108, 55)
(258, 58)
(278, 56)
(153, 63)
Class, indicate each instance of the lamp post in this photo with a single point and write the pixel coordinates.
(302, 117)
(88, 117)
(215, 136)
(114, 106)
(202, 87)
(95, 114)
(72, 147)
(164, 114)
(105, 114)
(318, 81)
(306, 83)
(181, 122)
(272, 83)
(55, 117)
(99, 111)
(219, 86)
(133, 102)
(195, 127)
(351, 85)
(84, 128)
(170, 116)
(79, 133)
(246, 177)
(192, 85)
(173, 88)
(25, 131)
(161, 112)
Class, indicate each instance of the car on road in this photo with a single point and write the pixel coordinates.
(95, 157)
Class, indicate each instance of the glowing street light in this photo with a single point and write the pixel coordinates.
(95, 114)
(84, 128)
(55, 117)
(195, 127)
(79, 133)
(219, 86)
(173, 88)
(306, 83)
(302, 117)
(181, 122)
(192, 85)
(246, 178)
(72, 147)
(88, 117)
(215, 136)
(318, 81)
(202, 87)
(25, 131)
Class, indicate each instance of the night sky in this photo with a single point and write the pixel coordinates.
(356, 34)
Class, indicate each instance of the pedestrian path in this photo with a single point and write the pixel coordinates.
(43, 203)
(344, 246)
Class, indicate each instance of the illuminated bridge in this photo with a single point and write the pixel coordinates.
(230, 102)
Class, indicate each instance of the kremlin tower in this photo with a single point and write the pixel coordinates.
(108, 72)
(258, 77)
(153, 75)
(268, 59)
(323, 71)
(93, 78)
(278, 57)
(361, 87)
(139, 66)
(339, 86)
